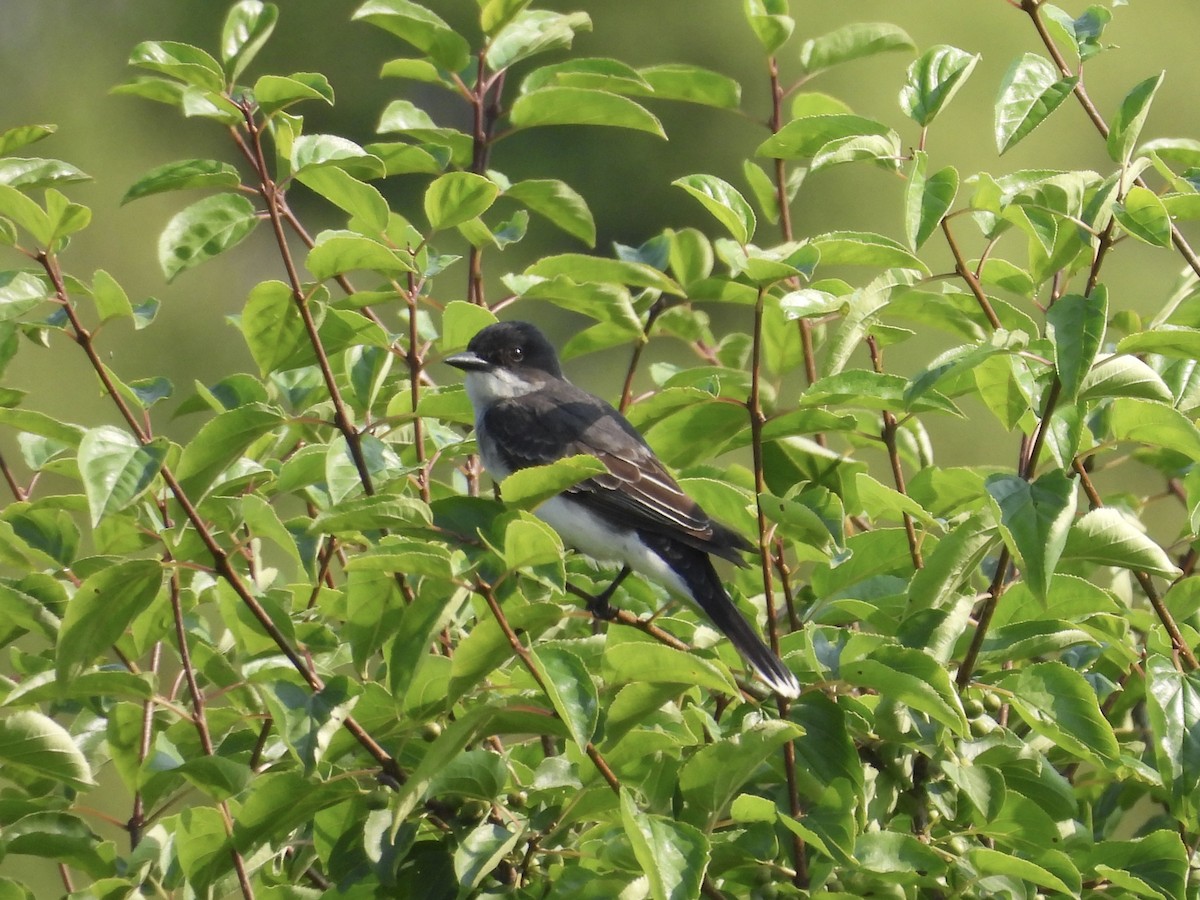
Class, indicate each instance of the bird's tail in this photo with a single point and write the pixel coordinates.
(697, 572)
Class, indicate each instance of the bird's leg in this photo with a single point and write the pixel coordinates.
(598, 605)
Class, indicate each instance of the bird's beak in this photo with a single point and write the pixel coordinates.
(467, 361)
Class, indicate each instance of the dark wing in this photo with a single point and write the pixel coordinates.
(637, 491)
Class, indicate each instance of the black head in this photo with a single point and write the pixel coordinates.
(517, 346)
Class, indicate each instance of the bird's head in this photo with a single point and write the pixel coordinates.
(507, 359)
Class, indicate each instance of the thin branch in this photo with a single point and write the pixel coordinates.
(754, 407)
(1032, 9)
(523, 654)
(964, 272)
(222, 565)
(890, 427)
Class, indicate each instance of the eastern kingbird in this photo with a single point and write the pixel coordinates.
(528, 414)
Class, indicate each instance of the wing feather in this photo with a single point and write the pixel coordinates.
(636, 492)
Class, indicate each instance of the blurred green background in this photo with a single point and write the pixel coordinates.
(61, 57)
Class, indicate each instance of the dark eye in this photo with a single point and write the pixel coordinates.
(516, 354)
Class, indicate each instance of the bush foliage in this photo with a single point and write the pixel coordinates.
(312, 654)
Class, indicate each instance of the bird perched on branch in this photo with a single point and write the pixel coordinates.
(528, 414)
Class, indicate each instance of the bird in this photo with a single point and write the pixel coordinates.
(635, 513)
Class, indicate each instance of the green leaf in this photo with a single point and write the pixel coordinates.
(850, 42)
(27, 174)
(1173, 704)
(571, 690)
(927, 200)
(39, 423)
(530, 542)
(487, 648)
(1108, 537)
(461, 321)
(456, 197)
(642, 661)
(881, 501)
(770, 22)
(910, 677)
(580, 106)
(38, 746)
(933, 80)
(581, 269)
(20, 292)
(1058, 703)
(362, 201)
(203, 230)
(715, 773)
(116, 469)
(22, 136)
(372, 512)
(1155, 865)
(220, 443)
(1037, 517)
(1155, 425)
(1143, 215)
(247, 27)
(861, 248)
(530, 487)
(102, 608)
(673, 856)
(1030, 92)
(993, 862)
(803, 138)
(275, 92)
(896, 854)
(1126, 128)
(271, 325)
(692, 84)
(419, 624)
(533, 31)
(724, 202)
(189, 64)
(1123, 376)
(188, 173)
(25, 213)
(338, 252)
(1075, 325)
(418, 26)
(881, 148)
(557, 202)
(481, 851)
(1165, 340)
(314, 151)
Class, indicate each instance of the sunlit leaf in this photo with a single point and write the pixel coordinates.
(1032, 89)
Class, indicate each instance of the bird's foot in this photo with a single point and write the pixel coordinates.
(598, 604)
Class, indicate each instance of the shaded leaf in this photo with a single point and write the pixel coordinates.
(1075, 324)
(102, 608)
(571, 690)
(673, 856)
(1037, 517)
(203, 230)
